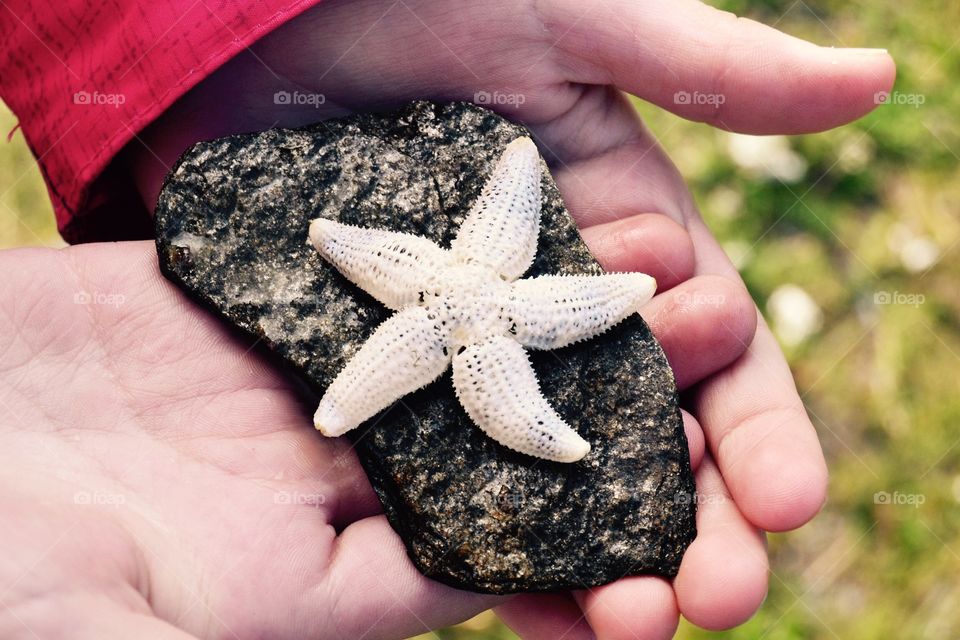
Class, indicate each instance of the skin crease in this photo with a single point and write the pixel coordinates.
(162, 479)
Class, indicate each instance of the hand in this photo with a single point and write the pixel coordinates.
(557, 65)
(160, 480)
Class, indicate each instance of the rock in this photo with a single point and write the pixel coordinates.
(232, 232)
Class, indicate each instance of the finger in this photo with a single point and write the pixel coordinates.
(756, 426)
(380, 594)
(723, 576)
(711, 66)
(592, 165)
(638, 607)
(695, 440)
(703, 325)
(602, 190)
(633, 607)
(751, 414)
(649, 243)
(545, 615)
(619, 181)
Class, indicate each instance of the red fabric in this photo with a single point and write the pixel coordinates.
(83, 76)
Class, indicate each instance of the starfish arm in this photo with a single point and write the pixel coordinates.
(395, 268)
(498, 388)
(408, 351)
(500, 230)
(549, 312)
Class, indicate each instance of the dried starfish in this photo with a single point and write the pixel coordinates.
(466, 305)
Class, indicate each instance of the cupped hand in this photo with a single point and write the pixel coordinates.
(559, 66)
(160, 479)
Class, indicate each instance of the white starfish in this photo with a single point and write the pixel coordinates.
(466, 305)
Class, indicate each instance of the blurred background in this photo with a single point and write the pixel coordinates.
(850, 243)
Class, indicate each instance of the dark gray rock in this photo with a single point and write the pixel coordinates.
(232, 232)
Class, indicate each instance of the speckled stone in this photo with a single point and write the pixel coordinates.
(232, 232)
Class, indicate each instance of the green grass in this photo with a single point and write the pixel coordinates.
(26, 215)
(878, 215)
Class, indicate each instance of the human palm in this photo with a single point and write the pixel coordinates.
(236, 518)
(160, 475)
(165, 480)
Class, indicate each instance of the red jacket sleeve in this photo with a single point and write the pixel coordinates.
(84, 76)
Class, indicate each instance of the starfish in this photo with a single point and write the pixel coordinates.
(467, 305)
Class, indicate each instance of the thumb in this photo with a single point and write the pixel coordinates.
(711, 66)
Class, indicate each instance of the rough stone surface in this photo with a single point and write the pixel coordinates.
(231, 231)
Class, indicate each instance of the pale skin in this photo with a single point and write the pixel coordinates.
(182, 438)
